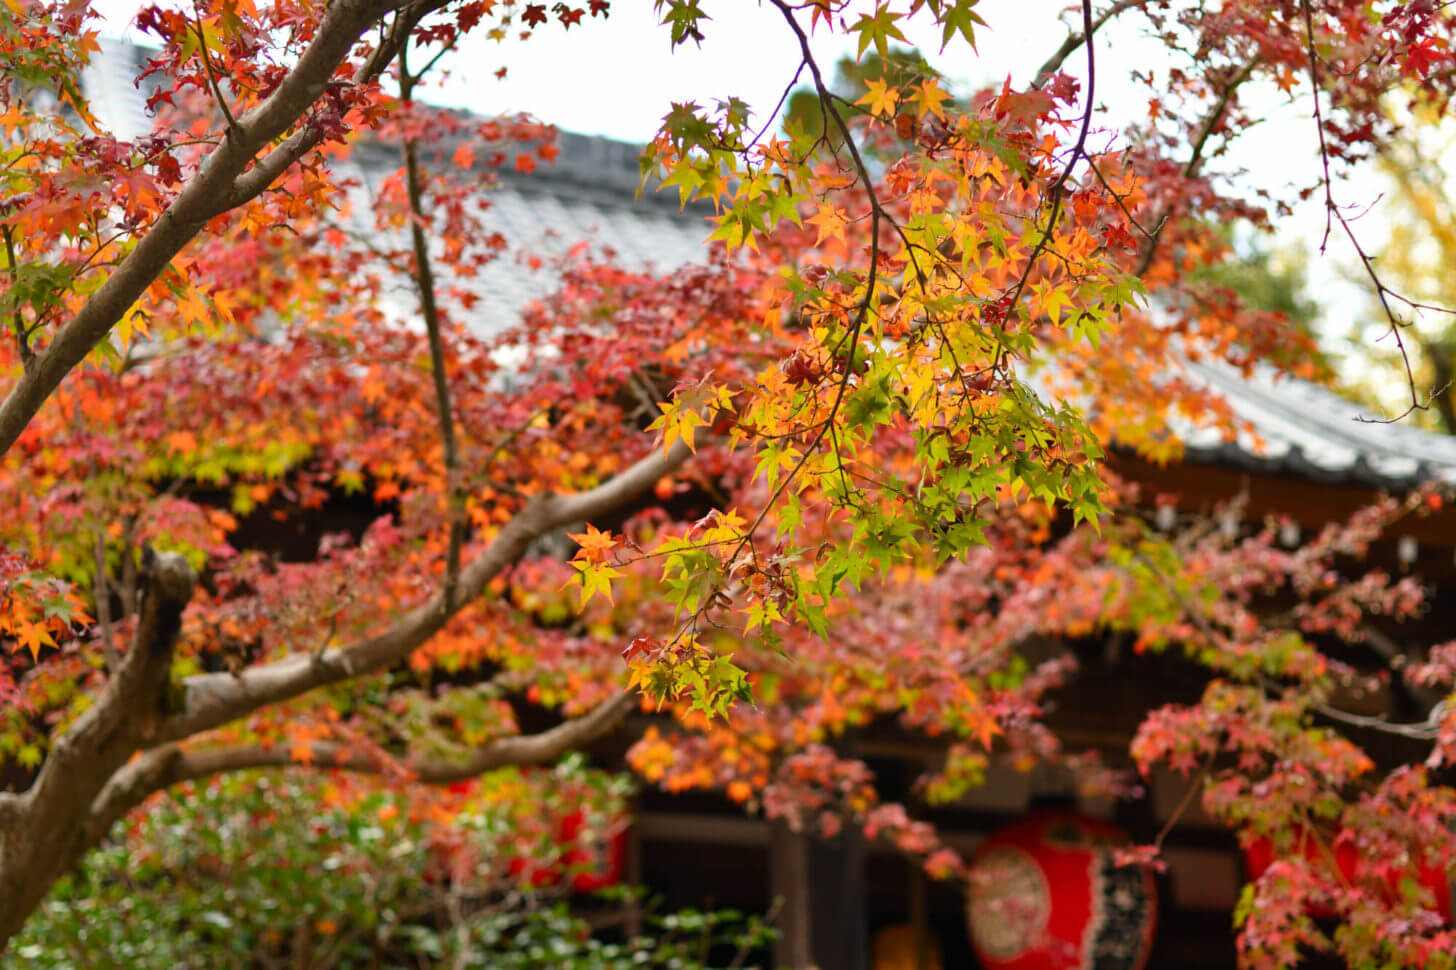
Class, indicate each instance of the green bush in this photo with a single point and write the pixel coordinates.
(294, 870)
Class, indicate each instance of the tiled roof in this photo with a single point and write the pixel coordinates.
(587, 194)
(1306, 430)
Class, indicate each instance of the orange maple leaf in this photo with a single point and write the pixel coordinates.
(830, 220)
(594, 543)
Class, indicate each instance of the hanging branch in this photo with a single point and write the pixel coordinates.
(1333, 213)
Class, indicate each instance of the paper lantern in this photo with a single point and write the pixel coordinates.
(1259, 855)
(593, 862)
(1046, 893)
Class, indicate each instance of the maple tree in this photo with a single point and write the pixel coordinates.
(839, 471)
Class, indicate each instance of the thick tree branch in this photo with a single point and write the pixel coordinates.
(86, 781)
(211, 700)
(47, 831)
(222, 182)
(169, 765)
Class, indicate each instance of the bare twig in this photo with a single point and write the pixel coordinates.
(424, 277)
(1333, 213)
(103, 607)
(233, 131)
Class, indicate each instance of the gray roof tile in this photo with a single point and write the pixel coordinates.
(588, 194)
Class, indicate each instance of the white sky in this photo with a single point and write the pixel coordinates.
(617, 77)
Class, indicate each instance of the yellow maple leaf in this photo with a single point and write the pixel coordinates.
(930, 97)
(881, 98)
(677, 422)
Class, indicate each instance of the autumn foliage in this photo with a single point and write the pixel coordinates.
(263, 513)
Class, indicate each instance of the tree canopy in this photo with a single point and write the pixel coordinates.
(843, 469)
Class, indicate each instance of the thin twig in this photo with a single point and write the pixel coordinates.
(1333, 212)
(1196, 158)
(1053, 64)
(1424, 730)
(1079, 151)
(233, 128)
(425, 282)
(17, 321)
(103, 607)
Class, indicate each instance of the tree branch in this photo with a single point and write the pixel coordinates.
(169, 765)
(1196, 158)
(102, 592)
(1075, 40)
(211, 700)
(47, 831)
(1443, 373)
(424, 279)
(221, 183)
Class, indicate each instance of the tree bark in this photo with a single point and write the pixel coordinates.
(45, 830)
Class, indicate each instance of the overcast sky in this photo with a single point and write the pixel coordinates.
(617, 76)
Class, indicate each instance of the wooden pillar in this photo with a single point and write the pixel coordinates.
(789, 877)
(837, 901)
(822, 922)
(919, 918)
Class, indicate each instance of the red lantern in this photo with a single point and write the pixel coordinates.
(1046, 893)
(593, 862)
(1259, 856)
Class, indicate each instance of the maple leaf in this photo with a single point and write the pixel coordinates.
(931, 96)
(594, 543)
(592, 578)
(534, 15)
(32, 636)
(1419, 57)
(830, 221)
(677, 422)
(880, 97)
(878, 29)
(300, 749)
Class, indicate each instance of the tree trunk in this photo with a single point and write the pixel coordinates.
(45, 830)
